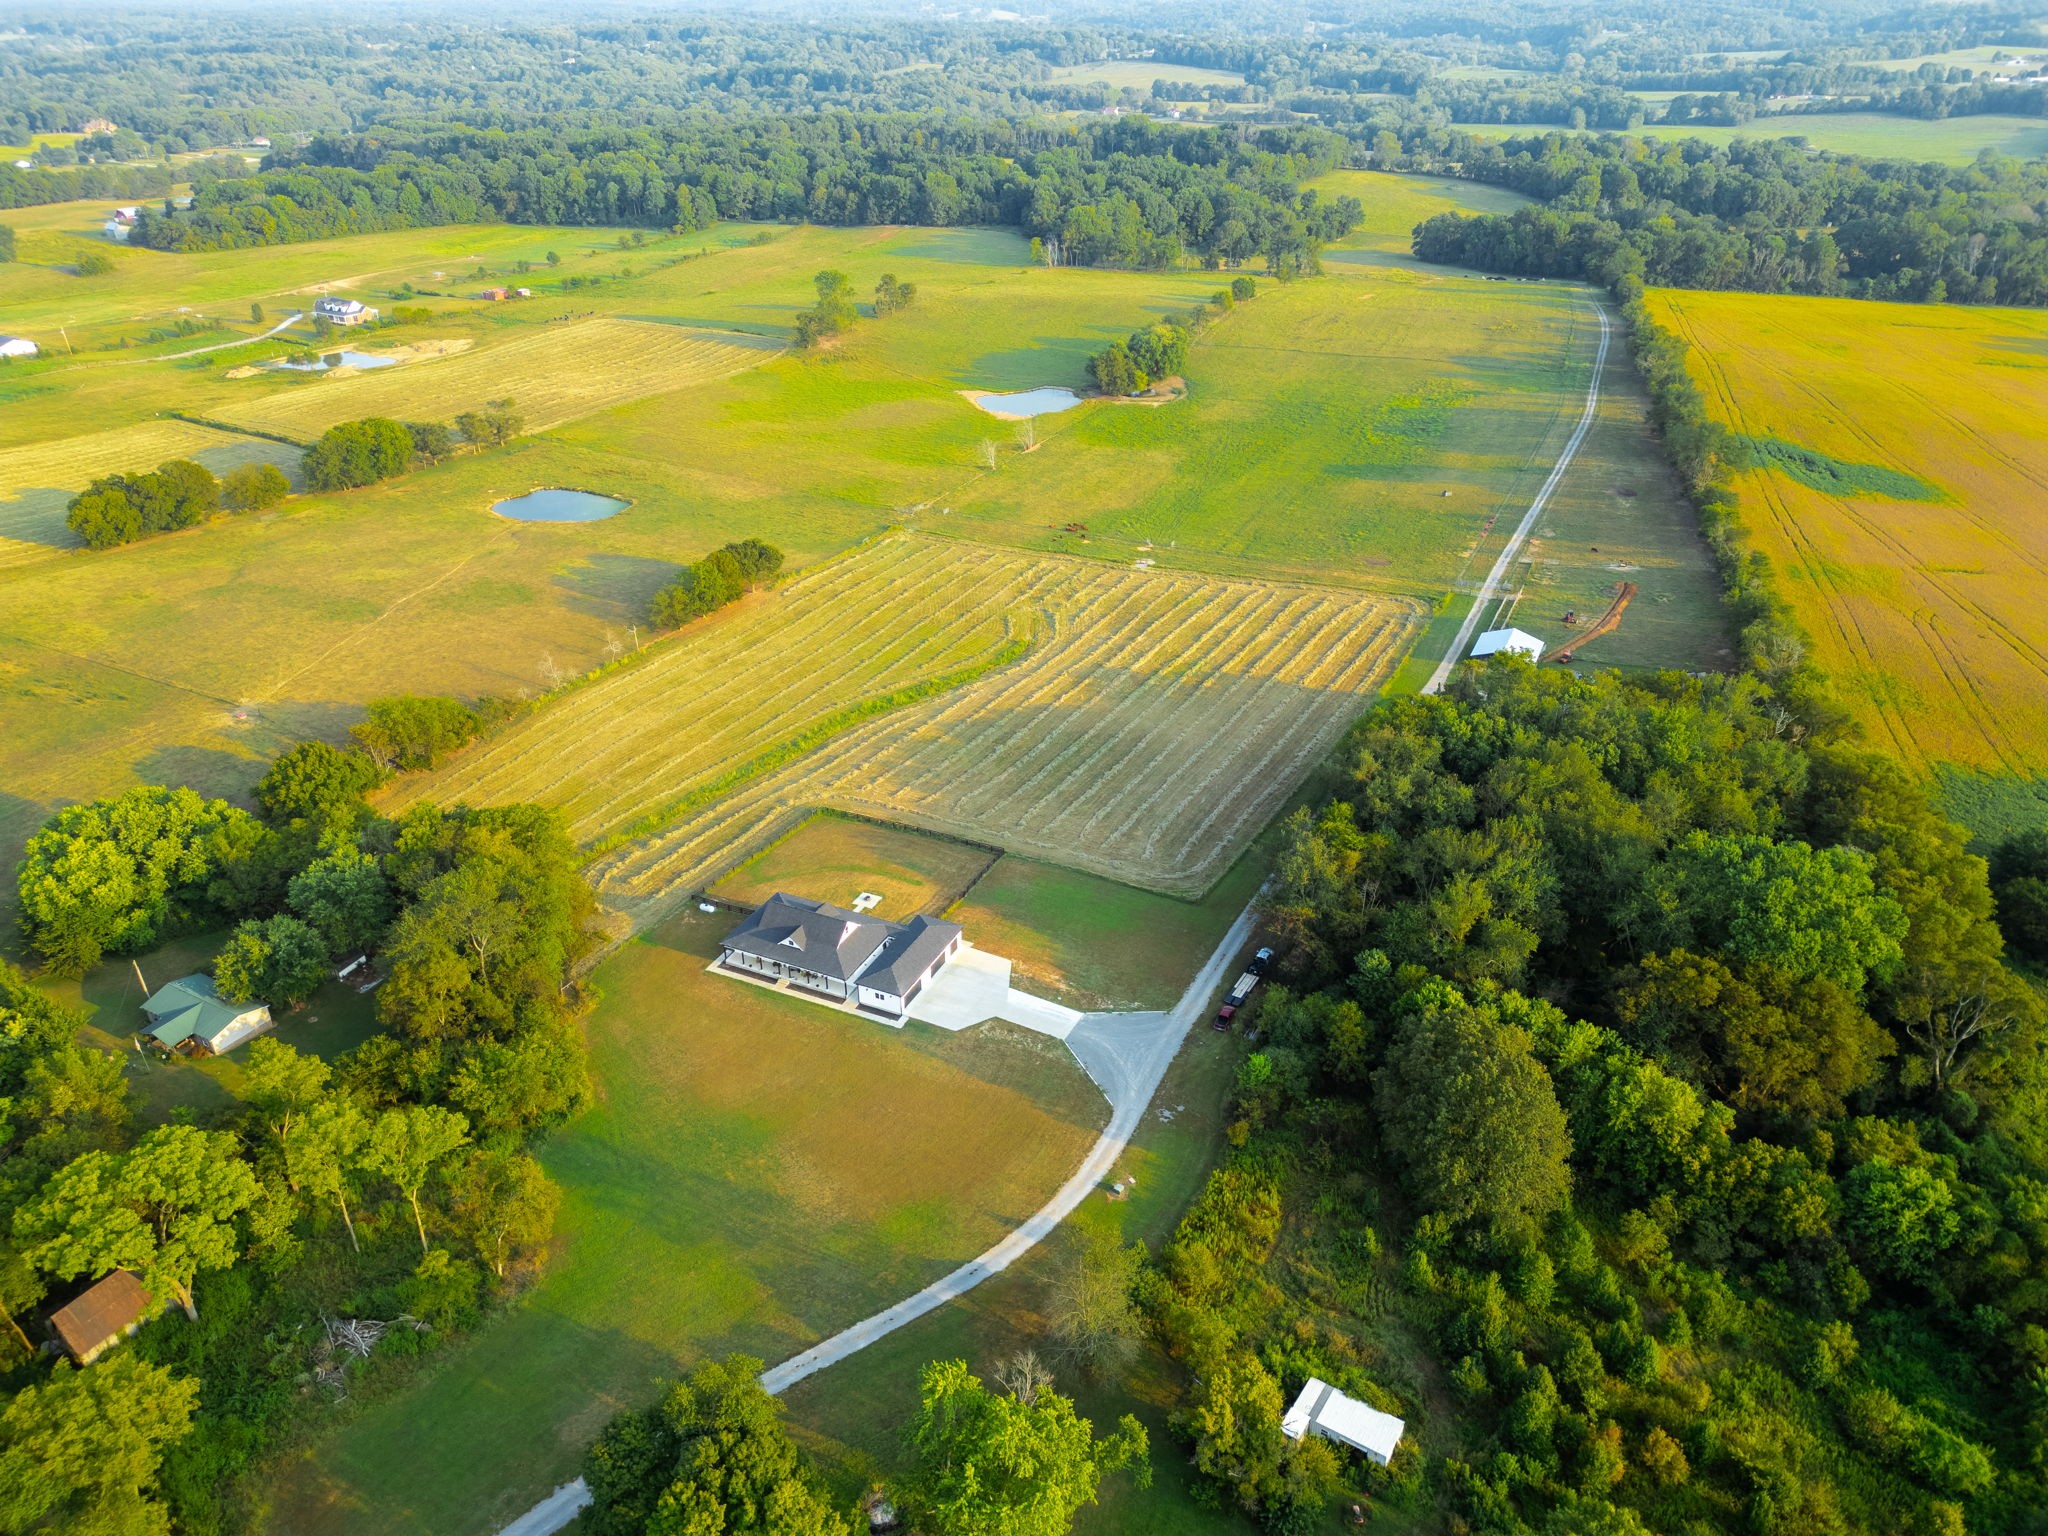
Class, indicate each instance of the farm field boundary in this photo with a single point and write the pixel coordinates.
(1926, 613)
(552, 374)
(1156, 722)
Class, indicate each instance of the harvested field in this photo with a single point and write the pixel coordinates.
(1155, 724)
(552, 374)
(836, 858)
(38, 480)
(1924, 604)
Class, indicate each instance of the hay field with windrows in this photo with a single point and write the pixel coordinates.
(1924, 605)
(552, 374)
(1155, 722)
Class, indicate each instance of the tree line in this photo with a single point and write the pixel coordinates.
(1126, 193)
(1758, 215)
(394, 1182)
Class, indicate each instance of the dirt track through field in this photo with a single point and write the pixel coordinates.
(1490, 588)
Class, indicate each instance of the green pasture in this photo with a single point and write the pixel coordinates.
(849, 1416)
(1876, 135)
(757, 1173)
(1323, 425)
(836, 858)
(1094, 944)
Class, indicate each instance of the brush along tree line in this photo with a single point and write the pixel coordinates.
(119, 509)
(1160, 351)
(713, 1455)
(394, 1182)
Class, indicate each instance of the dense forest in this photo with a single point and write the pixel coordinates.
(1759, 214)
(1125, 193)
(1646, 1056)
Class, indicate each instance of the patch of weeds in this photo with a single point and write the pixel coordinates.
(1837, 477)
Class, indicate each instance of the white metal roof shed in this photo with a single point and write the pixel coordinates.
(1520, 641)
(1322, 1410)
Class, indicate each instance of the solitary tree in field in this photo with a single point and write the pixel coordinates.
(256, 313)
(406, 1143)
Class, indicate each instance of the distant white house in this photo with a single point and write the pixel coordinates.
(17, 346)
(1323, 1410)
(1519, 641)
(190, 1015)
(342, 311)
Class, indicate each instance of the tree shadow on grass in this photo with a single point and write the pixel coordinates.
(616, 588)
(209, 770)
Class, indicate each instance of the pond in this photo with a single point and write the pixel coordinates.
(1032, 402)
(343, 359)
(559, 506)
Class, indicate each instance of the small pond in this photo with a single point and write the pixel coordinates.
(1032, 402)
(557, 506)
(343, 359)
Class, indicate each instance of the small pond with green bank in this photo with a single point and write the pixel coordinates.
(559, 506)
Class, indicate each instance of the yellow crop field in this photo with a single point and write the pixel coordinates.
(1903, 496)
(1156, 722)
(553, 374)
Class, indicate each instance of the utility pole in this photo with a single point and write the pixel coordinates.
(138, 977)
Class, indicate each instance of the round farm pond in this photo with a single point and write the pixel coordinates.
(342, 359)
(1032, 402)
(557, 506)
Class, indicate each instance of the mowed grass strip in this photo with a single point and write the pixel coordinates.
(552, 374)
(838, 858)
(1147, 737)
(1927, 613)
(759, 1172)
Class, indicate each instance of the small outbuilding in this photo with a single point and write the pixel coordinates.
(190, 1015)
(91, 1324)
(17, 346)
(1323, 1410)
(1516, 641)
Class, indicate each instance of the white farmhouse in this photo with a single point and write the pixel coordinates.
(846, 957)
(343, 311)
(1517, 641)
(17, 346)
(1323, 1410)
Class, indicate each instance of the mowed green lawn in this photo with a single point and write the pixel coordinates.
(839, 858)
(758, 1173)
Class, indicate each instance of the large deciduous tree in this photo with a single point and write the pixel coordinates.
(990, 1464)
(405, 1145)
(504, 1203)
(280, 959)
(166, 1210)
(1470, 1114)
(710, 1458)
(118, 874)
(80, 1452)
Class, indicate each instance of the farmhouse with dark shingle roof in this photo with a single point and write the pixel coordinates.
(844, 956)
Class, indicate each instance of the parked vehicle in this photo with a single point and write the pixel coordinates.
(1240, 993)
(1259, 963)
